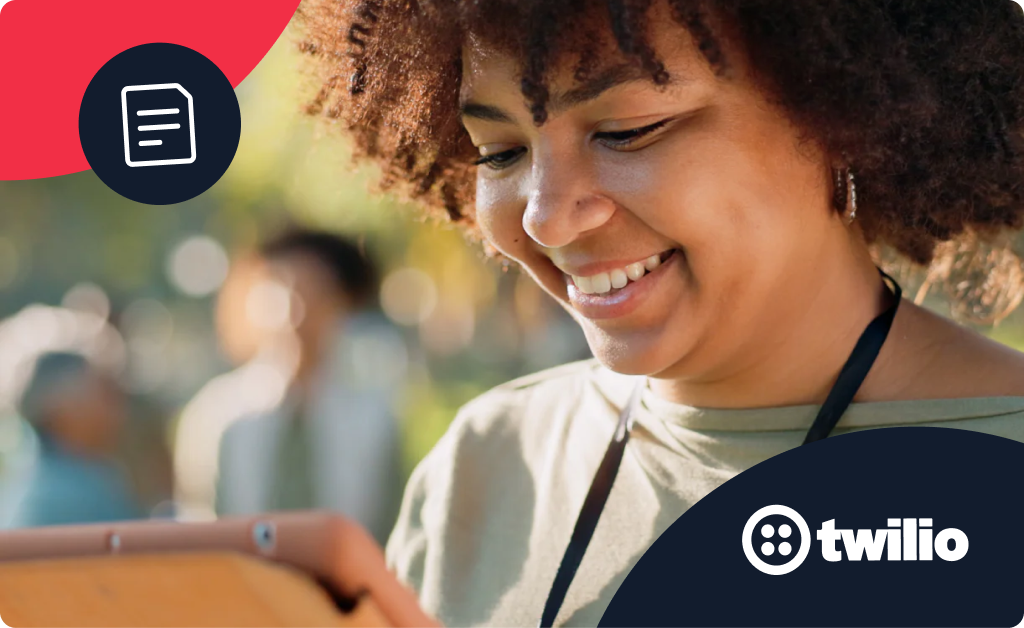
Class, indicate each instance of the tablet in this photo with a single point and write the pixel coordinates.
(335, 551)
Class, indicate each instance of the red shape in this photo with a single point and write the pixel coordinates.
(50, 50)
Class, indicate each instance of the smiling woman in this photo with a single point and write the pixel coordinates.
(699, 184)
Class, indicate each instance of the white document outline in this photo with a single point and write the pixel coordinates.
(124, 124)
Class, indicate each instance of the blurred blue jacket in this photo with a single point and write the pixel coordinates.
(66, 488)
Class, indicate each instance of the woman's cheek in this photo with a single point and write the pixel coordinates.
(487, 209)
(499, 215)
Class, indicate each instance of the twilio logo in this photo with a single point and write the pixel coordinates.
(909, 539)
(903, 540)
(767, 548)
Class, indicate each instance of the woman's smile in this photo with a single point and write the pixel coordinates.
(603, 290)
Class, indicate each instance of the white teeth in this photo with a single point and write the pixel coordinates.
(601, 283)
(619, 278)
(635, 271)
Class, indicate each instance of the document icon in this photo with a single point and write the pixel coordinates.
(159, 125)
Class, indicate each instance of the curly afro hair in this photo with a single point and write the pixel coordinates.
(924, 98)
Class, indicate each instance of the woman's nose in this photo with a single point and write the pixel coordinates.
(564, 201)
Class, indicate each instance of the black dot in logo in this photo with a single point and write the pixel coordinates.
(159, 123)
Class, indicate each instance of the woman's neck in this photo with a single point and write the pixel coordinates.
(795, 359)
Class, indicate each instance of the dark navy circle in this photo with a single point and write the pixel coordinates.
(159, 123)
(856, 492)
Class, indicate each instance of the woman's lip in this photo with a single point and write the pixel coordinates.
(623, 301)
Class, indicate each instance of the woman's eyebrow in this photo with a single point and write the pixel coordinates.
(597, 85)
(470, 109)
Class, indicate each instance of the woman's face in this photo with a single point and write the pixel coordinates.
(703, 176)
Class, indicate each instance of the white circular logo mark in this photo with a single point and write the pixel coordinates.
(785, 548)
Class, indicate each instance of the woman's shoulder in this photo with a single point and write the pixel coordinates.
(988, 367)
(940, 359)
(997, 369)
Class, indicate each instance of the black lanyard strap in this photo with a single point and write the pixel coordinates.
(600, 488)
(851, 376)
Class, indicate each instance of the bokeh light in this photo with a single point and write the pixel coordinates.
(408, 296)
(87, 297)
(198, 266)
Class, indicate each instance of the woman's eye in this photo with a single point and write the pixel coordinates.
(625, 138)
(615, 139)
(501, 160)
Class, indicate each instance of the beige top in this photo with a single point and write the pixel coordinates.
(488, 513)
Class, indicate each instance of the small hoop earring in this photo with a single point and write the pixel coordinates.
(838, 190)
(851, 193)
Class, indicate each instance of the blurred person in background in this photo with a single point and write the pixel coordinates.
(306, 422)
(77, 412)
